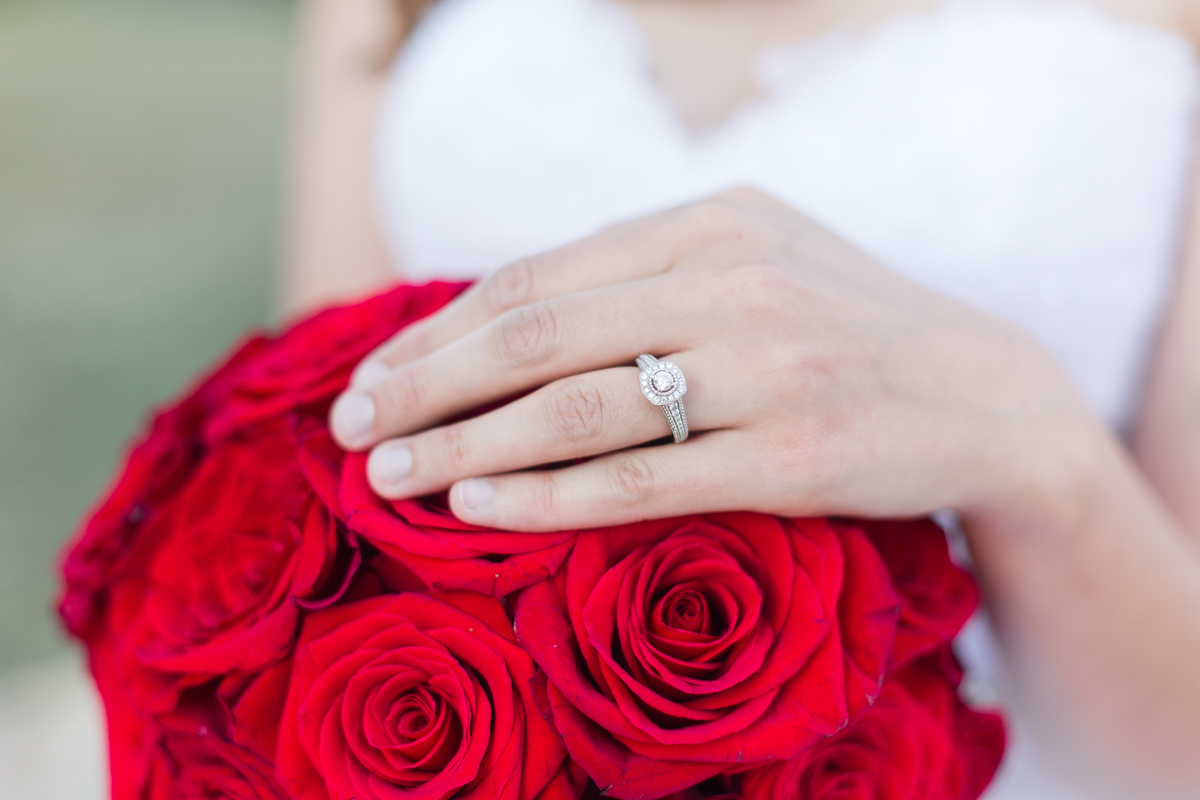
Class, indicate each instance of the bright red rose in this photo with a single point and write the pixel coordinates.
(918, 742)
(419, 697)
(246, 542)
(439, 550)
(309, 364)
(201, 767)
(678, 649)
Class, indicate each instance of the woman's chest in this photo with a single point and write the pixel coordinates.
(702, 55)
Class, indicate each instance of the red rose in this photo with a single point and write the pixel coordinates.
(918, 742)
(243, 545)
(414, 696)
(310, 363)
(936, 596)
(441, 551)
(200, 767)
(679, 649)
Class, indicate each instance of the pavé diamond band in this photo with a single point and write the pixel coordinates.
(663, 385)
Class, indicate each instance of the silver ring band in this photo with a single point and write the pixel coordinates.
(663, 385)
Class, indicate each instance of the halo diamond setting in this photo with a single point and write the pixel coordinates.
(664, 384)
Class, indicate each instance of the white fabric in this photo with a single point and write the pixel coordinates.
(1028, 158)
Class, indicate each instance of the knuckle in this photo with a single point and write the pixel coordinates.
(715, 220)
(406, 389)
(527, 335)
(512, 285)
(758, 289)
(760, 278)
(452, 451)
(415, 340)
(575, 412)
(745, 194)
(544, 493)
(630, 478)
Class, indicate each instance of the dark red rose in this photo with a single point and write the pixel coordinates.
(310, 363)
(246, 542)
(202, 767)
(415, 696)
(155, 467)
(676, 650)
(441, 551)
(937, 597)
(918, 742)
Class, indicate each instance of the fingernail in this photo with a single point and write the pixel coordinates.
(475, 492)
(368, 375)
(353, 416)
(391, 463)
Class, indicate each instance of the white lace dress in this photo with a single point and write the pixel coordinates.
(1028, 158)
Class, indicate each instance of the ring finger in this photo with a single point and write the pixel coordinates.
(585, 415)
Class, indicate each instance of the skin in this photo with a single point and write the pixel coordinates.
(819, 382)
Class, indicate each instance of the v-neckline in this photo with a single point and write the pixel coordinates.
(820, 51)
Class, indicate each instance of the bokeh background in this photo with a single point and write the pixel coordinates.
(142, 145)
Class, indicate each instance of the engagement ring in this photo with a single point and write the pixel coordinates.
(663, 385)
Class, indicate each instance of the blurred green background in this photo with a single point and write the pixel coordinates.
(141, 158)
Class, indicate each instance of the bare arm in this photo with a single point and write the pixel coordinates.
(1166, 442)
(334, 250)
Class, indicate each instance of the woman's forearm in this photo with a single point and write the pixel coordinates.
(1095, 592)
(1166, 439)
(334, 250)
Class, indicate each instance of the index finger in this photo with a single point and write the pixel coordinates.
(625, 252)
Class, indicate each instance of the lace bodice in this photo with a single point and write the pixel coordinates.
(1027, 158)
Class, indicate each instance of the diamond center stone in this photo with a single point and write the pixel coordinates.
(663, 381)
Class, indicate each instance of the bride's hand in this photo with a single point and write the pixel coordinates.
(818, 383)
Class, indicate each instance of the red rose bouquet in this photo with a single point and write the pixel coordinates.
(261, 625)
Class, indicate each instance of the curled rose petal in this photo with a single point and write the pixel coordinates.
(426, 541)
(937, 597)
(305, 367)
(199, 767)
